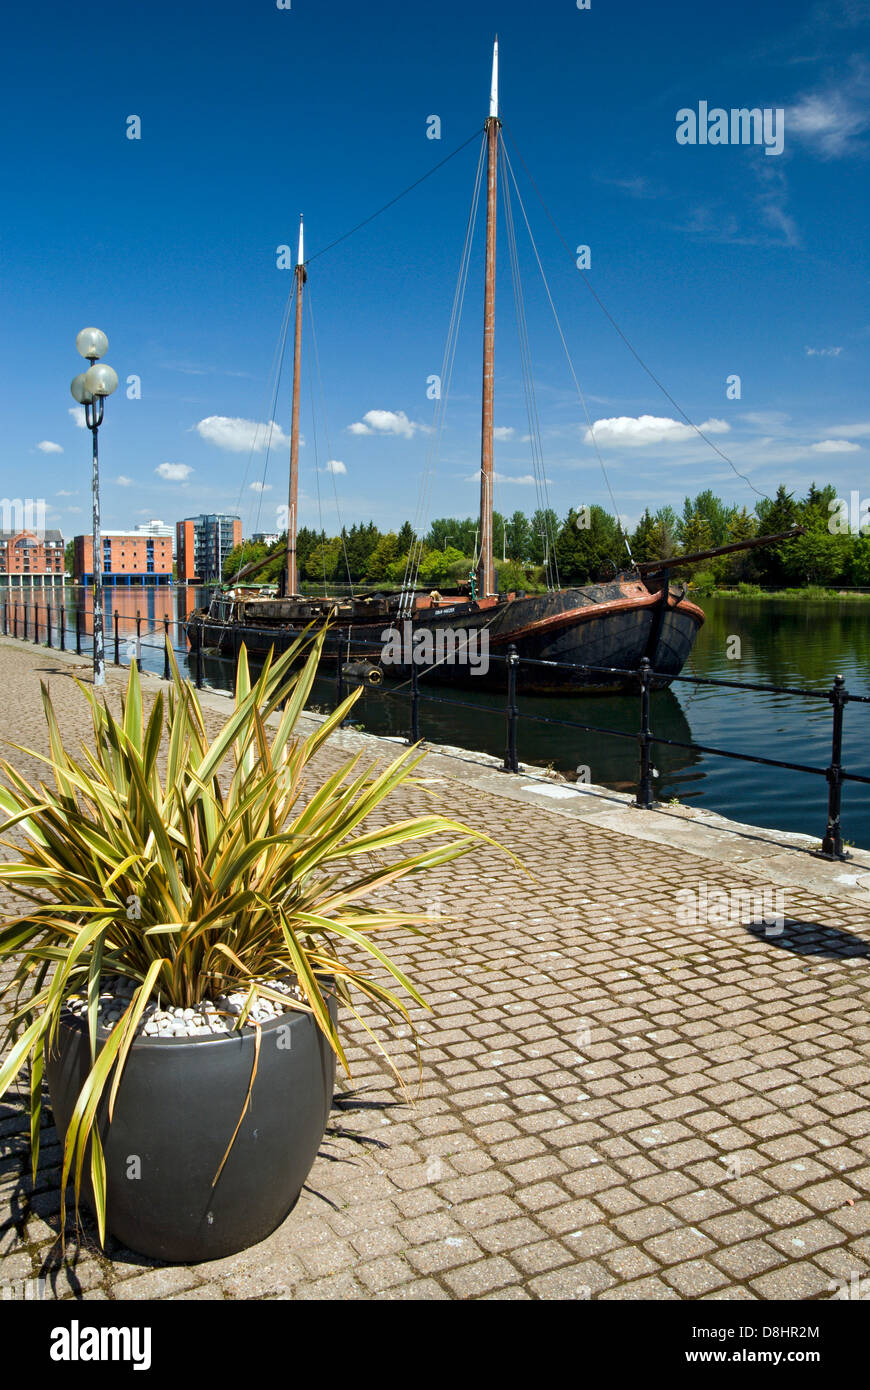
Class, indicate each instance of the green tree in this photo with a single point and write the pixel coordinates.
(696, 534)
(583, 551)
(244, 554)
(440, 567)
(306, 540)
(643, 541)
(451, 530)
(706, 507)
(385, 554)
(322, 564)
(512, 577)
(544, 528)
(774, 516)
(360, 542)
(519, 537)
(744, 567)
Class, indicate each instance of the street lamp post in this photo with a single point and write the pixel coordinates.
(90, 389)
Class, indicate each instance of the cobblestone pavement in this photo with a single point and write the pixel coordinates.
(613, 1106)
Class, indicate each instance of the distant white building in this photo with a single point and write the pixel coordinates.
(265, 538)
(153, 528)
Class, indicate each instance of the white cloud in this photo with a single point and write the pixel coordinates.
(261, 487)
(638, 431)
(829, 121)
(78, 415)
(504, 432)
(851, 431)
(836, 446)
(64, 493)
(765, 419)
(173, 472)
(386, 422)
(241, 436)
(772, 202)
(527, 480)
(48, 447)
(823, 352)
(337, 467)
(122, 481)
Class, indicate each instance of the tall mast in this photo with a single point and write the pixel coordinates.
(292, 567)
(486, 570)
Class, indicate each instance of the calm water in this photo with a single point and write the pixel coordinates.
(783, 642)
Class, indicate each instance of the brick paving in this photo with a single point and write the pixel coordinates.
(612, 1106)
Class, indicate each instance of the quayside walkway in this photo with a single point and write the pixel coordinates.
(616, 1103)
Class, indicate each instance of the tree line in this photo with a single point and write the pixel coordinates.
(588, 544)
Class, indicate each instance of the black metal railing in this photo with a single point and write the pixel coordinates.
(30, 620)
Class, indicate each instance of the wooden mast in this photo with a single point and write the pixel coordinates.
(486, 568)
(292, 524)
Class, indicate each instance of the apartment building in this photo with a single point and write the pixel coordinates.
(203, 544)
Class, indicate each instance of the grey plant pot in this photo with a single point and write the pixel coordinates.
(178, 1105)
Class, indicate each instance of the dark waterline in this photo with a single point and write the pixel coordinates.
(792, 642)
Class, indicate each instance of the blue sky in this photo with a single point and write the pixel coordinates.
(714, 260)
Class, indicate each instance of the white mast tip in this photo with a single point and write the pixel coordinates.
(493, 98)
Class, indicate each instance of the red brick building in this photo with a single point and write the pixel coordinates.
(31, 560)
(128, 558)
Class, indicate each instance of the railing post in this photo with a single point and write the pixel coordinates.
(138, 639)
(832, 845)
(36, 624)
(61, 622)
(339, 676)
(5, 617)
(645, 799)
(166, 649)
(116, 617)
(48, 624)
(26, 616)
(198, 663)
(78, 629)
(511, 760)
(15, 619)
(414, 736)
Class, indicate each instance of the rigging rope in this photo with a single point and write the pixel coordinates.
(415, 553)
(276, 371)
(328, 448)
(650, 373)
(317, 486)
(393, 201)
(568, 357)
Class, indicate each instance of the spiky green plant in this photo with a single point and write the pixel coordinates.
(239, 869)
